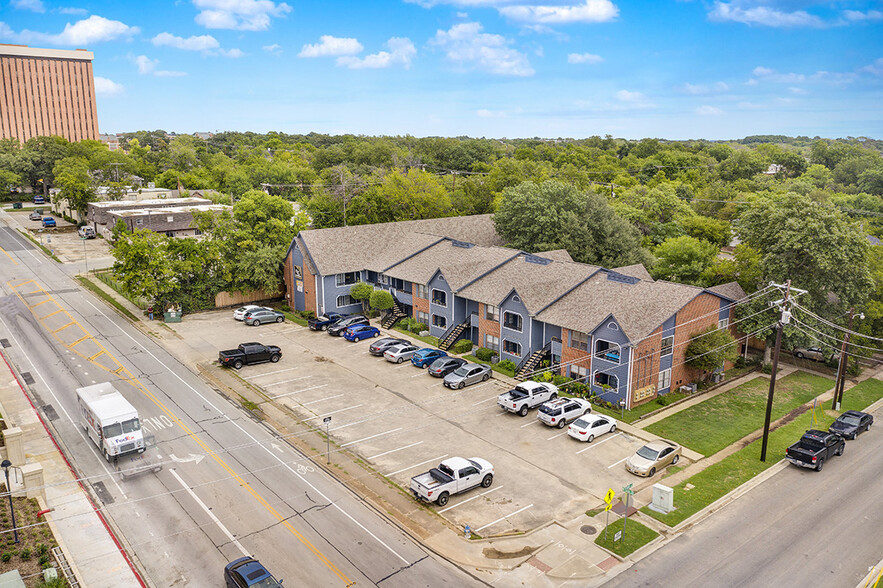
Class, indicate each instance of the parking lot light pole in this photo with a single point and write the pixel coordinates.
(85, 259)
(5, 465)
(327, 421)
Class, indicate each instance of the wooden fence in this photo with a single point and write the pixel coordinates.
(225, 299)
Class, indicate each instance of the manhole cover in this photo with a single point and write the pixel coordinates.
(588, 529)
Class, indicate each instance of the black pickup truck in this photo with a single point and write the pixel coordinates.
(248, 353)
(814, 448)
(321, 322)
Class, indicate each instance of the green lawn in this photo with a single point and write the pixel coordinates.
(862, 395)
(431, 341)
(635, 536)
(715, 423)
(494, 366)
(639, 411)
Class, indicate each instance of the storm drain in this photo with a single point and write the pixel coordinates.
(27, 377)
(50, 413)
(588, 529)
(5, 343)
(102, 493)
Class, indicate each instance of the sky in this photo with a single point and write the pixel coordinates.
(672, 69)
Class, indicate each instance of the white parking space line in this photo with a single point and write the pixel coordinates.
(442, 383)
(599, 443)
(371, 437)
(485, 400)
(530, 423)
(504, 518)
(268, 373)
(298, 391)
(409, 364)
(333, 412)
(418, 375)
(321, 400)
(558, 435)
(394, 450)
(468, 499)
(504, 413)
(434, 459)
(286, 381)
(210, 514)
(617, 463)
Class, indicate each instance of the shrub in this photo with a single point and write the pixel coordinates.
(285, 308)
(559, 380)
(308, 314)
(25, 554)
(663, 401)
(42, 548)
(507, 365)
(740, 362)
(462, 346)
(373, 313)
(767, 368)
(416, 328)
(6, 556)
(485, 354)
(44, 560)
(578, 389)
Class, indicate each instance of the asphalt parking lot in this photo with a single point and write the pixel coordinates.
(402, 421)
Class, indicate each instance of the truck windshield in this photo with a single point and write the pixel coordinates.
(443, 468)
(117, 429)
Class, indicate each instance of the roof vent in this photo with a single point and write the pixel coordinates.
(463, 244)
(537, 260)
(621, 278)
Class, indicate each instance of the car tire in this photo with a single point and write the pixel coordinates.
(323, 328)
(461, 385)
(442, 499)
(651, 473)
(400, 360)
(237, 364)
(522, 412)
(799, 355)
(842, 447)
(487, 481)
(256, 323)
(561, 423)
(820, 465)
(356, 339)
(377, 334)
(675, 459)
(485, 377)
(554, 396)
(279, 319)
(106, 456)
(275, 358)
(613, 429)
(590, 439)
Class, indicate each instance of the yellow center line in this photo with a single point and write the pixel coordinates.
(63, 327)
(128, 377)
(39, 303)
(9, 256)
(20, 285)
(51, 314)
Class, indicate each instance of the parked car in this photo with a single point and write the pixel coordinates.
(337, 328)
(35, 215)
(424, 357)
(653, 457)
(249, 353)
(86, 232)
(381, 345)
(400, 353)
(559, 412)
(589, 426)
(814, 353)
(814, 449)
(452, 476)
(39, 199)
(239, 313)
(359, 332)
(442, 366)
(527, 395)
(48, 221)
(247, 571)
(467, 374)
(263, 315)
(852, 422)
(323, 321)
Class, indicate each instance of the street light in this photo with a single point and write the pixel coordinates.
(5, 465)
(85, 259)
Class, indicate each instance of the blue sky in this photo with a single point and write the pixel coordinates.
(496, 68)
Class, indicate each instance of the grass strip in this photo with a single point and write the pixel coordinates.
(862, 395)
(40, 245)
(296, 319)
(636, 413)
(94, 288)
(433, 341)
(494, 366)
(635, 537)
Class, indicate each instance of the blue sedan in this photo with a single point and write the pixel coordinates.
(426, 356)
(359, 332)
(247, 571)
(48, 221)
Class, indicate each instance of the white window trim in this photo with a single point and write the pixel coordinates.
(340, 279)
(612, 346)
(612, 326)
(487, 308)
(612, 388)
(495, 346)
(575, 375)
(441, 316)
(503, 347)
(428, 317)
(570, 342)
(662, 346)
(723, 323)
(339, 305)
(432, 299)
(503, 321)
(663, 375)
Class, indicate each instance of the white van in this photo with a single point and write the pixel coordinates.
(109, 420)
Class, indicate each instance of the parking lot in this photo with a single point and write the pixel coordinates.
(402, 421)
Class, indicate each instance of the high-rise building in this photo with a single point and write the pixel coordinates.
(47, 92)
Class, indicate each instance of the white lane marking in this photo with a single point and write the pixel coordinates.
(210, 514)
(286, 381)
(260, 444)
(298, 391)
(268, 373)
(394, 450)
(599, 443)
(321, 400)
(504, 518)
(418, 375)
(530, 423)
(321, 416)
(468, 499)
(434, 459)
(409, 364)
(485, 400)
(31, 246)
(617, 463)
(558, 435)
(505, 412)
(442, 383)
(371, 437)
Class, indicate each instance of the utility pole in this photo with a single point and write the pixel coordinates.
(343, 183)
(840, 383)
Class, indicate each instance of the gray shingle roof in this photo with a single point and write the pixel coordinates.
(556, 255)
(459, 265)
(636, 271)
(731, 290)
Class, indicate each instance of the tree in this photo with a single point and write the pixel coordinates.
(72, 177)
(743, 267)
(268, 220)
(708, 229)
(683, 259)
(552, 215)
(362, 292)
(708, 350)
(381, 300)
(38, 157)
(260, 269)
(9, 180)
(143, 265)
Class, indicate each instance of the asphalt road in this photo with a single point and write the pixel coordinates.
(228, 485)
(799, 528)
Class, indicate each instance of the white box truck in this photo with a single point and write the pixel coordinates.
(109, 420)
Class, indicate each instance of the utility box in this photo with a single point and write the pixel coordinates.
(663, 499)
(172, 316)
(16, 205)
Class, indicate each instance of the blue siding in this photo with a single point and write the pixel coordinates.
(536, 335)
(665, 362)
(297, 260)
(438, 282)
(513, 304)
(331, 291)
(609, 331)
(724, 310)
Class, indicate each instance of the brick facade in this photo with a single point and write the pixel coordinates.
(420, 305)
(704, 304)
(309, 289)
(571, 356)
(288, 278)
(486, 326)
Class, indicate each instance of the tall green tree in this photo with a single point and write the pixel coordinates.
(709, 349)
(75, 183)
(683, 259)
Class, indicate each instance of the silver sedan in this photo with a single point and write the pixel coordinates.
(467, 374)
(400, 353)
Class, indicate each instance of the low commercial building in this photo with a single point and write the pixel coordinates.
(172, 221)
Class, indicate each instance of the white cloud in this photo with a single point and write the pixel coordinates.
(589, 11)
(329, 46)
(875, 68)
(699, 89)
(90, 31)
(243, 15)
(465, 45)
(584, 58)
(32, 5)
(858, 16)
(275, 48)
(763, 15)
(401, 52)
(771, 75)
(749, 106)
(106, 87)
(194, 43)
(231, 53)
(72, 10)
(627, 96)
(147, 66)
(706, 110)
(796, 90)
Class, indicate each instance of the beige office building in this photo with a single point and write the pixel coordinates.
(46, 92)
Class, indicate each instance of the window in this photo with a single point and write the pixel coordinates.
(578, 372)
(170, 219)
(607, 351)
(345, 300)
(347, 279)
(139, 221)
(512, 321)
(422, 317)
(664, 379)
(383, 279)
(668, 344)
(613, 326)
(421, 291)
(608, 380)
(492, 342)
(723, 323)
(439, 321)
(439, 297)
(511, 347)
(579, 340)
(491, 312)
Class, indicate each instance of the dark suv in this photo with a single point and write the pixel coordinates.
(337, 329)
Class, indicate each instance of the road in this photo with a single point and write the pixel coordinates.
(228, 486)
(799, 528)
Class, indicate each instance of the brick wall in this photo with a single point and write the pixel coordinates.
(573, 356)
(704, 304)
(486, 327)
(309, 288)
(288, 277)
(645, 369)
(420, 305)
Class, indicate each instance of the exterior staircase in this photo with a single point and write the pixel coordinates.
(529, 363)
(392, 316)
(450, 337)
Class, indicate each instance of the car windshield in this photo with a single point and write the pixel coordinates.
(581, 423)
(519, 392)
(268, 582)
(462, 371)
(550, 410)
(648, 453)
(849, 420)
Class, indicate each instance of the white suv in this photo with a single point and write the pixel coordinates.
(557, 413)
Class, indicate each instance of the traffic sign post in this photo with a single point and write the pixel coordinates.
(608, 498)
(327, 421)
(628, 492)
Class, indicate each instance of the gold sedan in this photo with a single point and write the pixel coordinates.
(653, 457)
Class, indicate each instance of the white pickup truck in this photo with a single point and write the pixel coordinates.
(452, 476)
(527, 395)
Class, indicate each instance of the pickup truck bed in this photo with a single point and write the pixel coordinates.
(814, 448)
